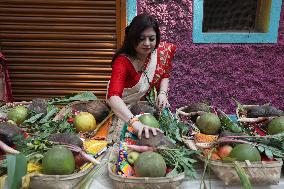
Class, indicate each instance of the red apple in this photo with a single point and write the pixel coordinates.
(224, 151)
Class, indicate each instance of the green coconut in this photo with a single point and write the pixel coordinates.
(150, 120)
(276, 125)
(58, 161)
(208, 123)
(242, 152)
(150, 164)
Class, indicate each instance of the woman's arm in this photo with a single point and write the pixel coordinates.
(7, 149)
(121, 110)
(162, 101)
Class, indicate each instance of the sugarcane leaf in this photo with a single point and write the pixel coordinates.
(245, 182)
(3, 181)
(96, 171)
(17, 168)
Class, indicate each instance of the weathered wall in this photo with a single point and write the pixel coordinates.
(253, 74)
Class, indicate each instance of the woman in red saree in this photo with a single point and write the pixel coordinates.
(142, 63)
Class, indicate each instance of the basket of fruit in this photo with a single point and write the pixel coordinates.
(154, 178)
(45, 140)
(235, 155)
(155, 162)
(257, 118)
(60, 168)
(234, 163)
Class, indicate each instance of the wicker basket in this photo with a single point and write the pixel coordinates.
(259, 173)
(57, 181)
(121, 182)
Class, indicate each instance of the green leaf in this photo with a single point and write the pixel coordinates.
(151, 97)
(97, 170)
(268, 153)
(239, 105)
(260, 148)
(2, 181)
(34, 118)
(84, 96)
(245, 182)
(49, 115)
(17, 168)
(173, 172)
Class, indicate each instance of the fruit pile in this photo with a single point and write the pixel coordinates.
(219, 138)
(53, 139)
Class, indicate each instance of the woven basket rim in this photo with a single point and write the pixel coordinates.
(261, 164)
(251, 120)
(62, 177)
(180, 111)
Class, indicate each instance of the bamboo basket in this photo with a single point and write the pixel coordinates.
(259, 173)
(120, 182)
(57, 181)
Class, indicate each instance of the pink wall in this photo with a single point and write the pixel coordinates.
(253, 74)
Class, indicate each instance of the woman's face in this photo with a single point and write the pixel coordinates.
(147, 42)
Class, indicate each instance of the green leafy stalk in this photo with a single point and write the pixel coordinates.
(239, 105)
(245, 182)
(17, 168)
(207, 161)
(84, 96)
(87, 180)
(181, 159)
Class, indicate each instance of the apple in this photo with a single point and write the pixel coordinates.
(224, 151)
(132, 157)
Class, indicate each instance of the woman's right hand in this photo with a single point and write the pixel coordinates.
(139, 128)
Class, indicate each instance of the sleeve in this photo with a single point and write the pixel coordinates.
(118, 77)
(170, 50)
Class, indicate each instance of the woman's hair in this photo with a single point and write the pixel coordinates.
(133, 31)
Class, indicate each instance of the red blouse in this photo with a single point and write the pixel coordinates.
(124, 74)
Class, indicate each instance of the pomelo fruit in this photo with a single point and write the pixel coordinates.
(18, 114)
(242, 152)
(150, 120)
(276, 125)
(58, 160)
(208, 123)
(84, 122)
(150, 164)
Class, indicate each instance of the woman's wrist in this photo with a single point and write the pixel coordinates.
(132, 120)
(163, 92)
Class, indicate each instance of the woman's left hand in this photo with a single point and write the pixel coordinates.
(162, 101)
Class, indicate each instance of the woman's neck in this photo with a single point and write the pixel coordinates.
(141, 58)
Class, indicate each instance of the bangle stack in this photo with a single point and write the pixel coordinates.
(132, 120)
